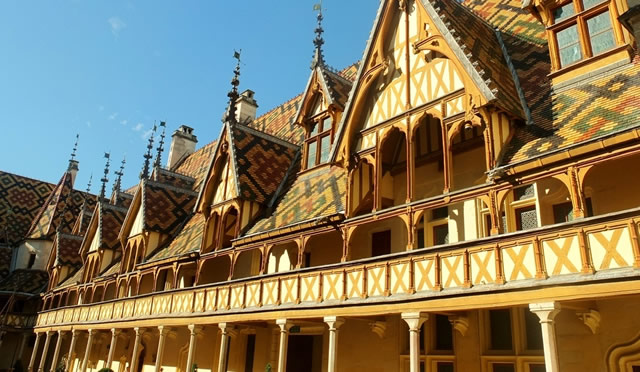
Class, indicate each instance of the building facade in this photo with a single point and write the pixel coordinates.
(462, 199)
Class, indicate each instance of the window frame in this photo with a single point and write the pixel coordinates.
(579, 19)
(318, 121)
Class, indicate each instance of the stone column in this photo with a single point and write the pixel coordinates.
(334, 323)
(43, 359)
(162, 331)
(224, 346)
(284, 344)
(32, 362)
(72, 347)
(414, 321)
(136, 346)
(547, 313)
(87, 351)
(56, 352)
(23, 341)
(112, 347)
(194, 331)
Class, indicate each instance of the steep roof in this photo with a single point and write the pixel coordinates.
(25, 281)
(188, 240)
(68, 250)
(21, 200)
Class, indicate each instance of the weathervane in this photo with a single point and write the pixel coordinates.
(233, 94)
(105, 178)
(158, 160)
(318, 56)
(147, 156)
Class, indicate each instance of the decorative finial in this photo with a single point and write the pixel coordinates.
(233, 94)
(105, 178)
(119, 173)
(89, 183)
(147, 156)
(158, 160)
(73, 163)
(318, 56)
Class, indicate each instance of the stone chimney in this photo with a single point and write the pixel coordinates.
(631, 19)
(246, 107)
(183, 143)
(73, 170)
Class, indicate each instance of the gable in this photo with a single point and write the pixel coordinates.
(138, 223)
(95, 242)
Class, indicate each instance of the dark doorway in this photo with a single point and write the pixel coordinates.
(304, 353)
(381, 243)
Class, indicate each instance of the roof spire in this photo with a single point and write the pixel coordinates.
(318, 56)
(233, 94)
(118, 183)
(89, 183)
(147, 156)
(158, 160)
(105, 178)
(73, 163)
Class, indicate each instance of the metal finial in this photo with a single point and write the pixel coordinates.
(89, 183)
(105, 178)
(233, 94)
(147, 156)
(318, 56)
(119, 173)
(73, 164)
(158, 160)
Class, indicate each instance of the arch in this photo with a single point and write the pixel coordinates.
(133, 286)
(63, 299)
(72, 298)
(211, 233)
(247, 264)
(110, 291)
(392, 160)
(428, 158)
(98, 294)
(122, 289)
(607, 189)
(621, 357)
(229, 227)
(186, 276)
(368, 240)
(468, 156)
(164, 279)
(282, 257)
(88, 296)
(146, 283)
(323, 249)
(361, 188)
(214, 270)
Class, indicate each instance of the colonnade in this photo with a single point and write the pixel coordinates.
(415, 320)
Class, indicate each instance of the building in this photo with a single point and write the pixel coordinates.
(463, 199)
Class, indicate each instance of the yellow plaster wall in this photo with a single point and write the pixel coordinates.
(282, 258)
(613, 185)
(429, 180)
(325, 249)
(360, 243)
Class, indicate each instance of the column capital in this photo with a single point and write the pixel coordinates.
(284, 325)
(195, 329)
(334, 322)
(91, 332)
(164, 330)
(546, 311)
(61, 332)
(415, 320)
(116, 332)
(74, 332)
(139, 331)
(50, 333)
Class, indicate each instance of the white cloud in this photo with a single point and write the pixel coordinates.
(124, 122)
(113, 116)
(89, 124)
(146, 134)
(117, 25)
(138, 127)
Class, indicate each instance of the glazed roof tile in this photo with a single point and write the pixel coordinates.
(21, 200)
(319, 193)
(166, 207)
(68, 250)
(25, 281)
(196, 164)
(5, 261)
(188, 240)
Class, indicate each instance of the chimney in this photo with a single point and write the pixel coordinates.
(183, 143)
(246, 107)
(73, 170)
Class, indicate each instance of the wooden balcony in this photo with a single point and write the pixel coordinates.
(584, 251)
(18, 321)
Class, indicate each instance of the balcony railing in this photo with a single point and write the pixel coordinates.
(16, 320)
(550, 255)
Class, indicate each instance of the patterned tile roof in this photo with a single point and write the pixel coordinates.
(25, 281)
(197, 164)
(279, 122)
(482, 47)
(166, 207)
(5, 261)
(315, 194)
(68, 250)
(175, 179)
(111, 219)
(188, 240)
(21, 199)
(75, 278)
(339, 87)
(261, 163)
(55, 211)
(584, 112)
(114, 269)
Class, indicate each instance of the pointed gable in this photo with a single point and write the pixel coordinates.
(433, 55)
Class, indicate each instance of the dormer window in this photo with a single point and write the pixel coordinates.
(582, 29)
(319, 140)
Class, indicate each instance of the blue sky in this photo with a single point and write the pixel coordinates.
(108, 69)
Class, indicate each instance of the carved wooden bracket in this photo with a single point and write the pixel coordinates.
(591, 319)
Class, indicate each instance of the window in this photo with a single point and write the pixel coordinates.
(582, 29)
(522, 209)
(319, 140)
(32, 260)
(563, 212)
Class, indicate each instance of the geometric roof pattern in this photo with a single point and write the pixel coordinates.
(5, 261)
(188, 240)
(21, 199)
(67, 250)
(196, 164)
(165, 207)
(25, 281)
